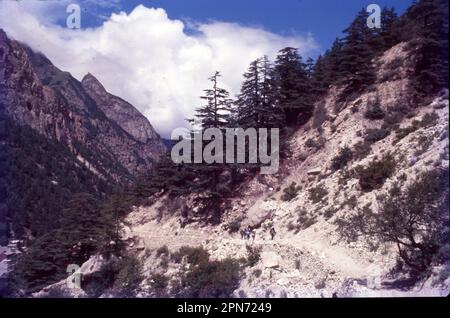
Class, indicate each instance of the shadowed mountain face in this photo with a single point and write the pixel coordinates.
(120, 142)
(60, 137)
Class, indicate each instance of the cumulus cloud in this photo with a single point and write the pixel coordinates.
(158, 64)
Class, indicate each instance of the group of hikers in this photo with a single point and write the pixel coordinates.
(250, 233)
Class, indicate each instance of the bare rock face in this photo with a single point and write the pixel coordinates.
(270, 259)
(258, 213)
(108, 135)
(118, 110)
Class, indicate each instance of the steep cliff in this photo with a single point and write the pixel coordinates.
(106, 133)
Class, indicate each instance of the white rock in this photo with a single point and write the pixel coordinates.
(314, 172)
(257, 214)
(270, 259)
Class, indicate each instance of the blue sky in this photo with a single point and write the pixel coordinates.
(324, 19)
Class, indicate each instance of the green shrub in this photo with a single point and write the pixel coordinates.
(329, 213)
(374, 135)
(290, 192)
(340, 161)
(345, 176)
(374, 111)
(423, 144)
(428, 120)
(307, 222)
(320, 284)
(292, 226)
(373, 176)
(257, 272)
(253, 255)
(414, 218)
(211, 279)
(95, 285)
(303, 221)
(317, 193)
(163, 250)
(234, 226)
(315, 144)
(392, 120)
(362, 149)
(403, 132)
(129, 276)
(121, 276)
(194, 255)
(159, 282)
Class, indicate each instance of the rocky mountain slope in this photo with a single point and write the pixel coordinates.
(60, 137)
(309, 257)
(83, 116)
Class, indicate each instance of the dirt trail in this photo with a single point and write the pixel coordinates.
(335, 257)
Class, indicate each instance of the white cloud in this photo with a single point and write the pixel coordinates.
(147, 58)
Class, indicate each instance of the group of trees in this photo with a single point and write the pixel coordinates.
(272, 95)
(41, 176)
(88, 226)
(280, 94)
(56, 207)
(424, 27)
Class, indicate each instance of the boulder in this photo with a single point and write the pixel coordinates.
(92, 265)
(67, 288)
(60, 290)
(270, 259)
(141, 245)
(314, 172)
(257, 214)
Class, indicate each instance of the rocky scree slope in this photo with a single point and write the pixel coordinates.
(308, 257)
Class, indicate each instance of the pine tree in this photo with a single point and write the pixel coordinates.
(356, 66)
(249, 99)
(309, 67)
(427, 25)
(216, 112)
(320, 76)
(292, 86)
(257, 105)
(326, 70)
(387, 35)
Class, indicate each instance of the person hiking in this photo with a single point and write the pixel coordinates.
(242, 231)
(247, 232)
(272, 233)
(253, 235)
